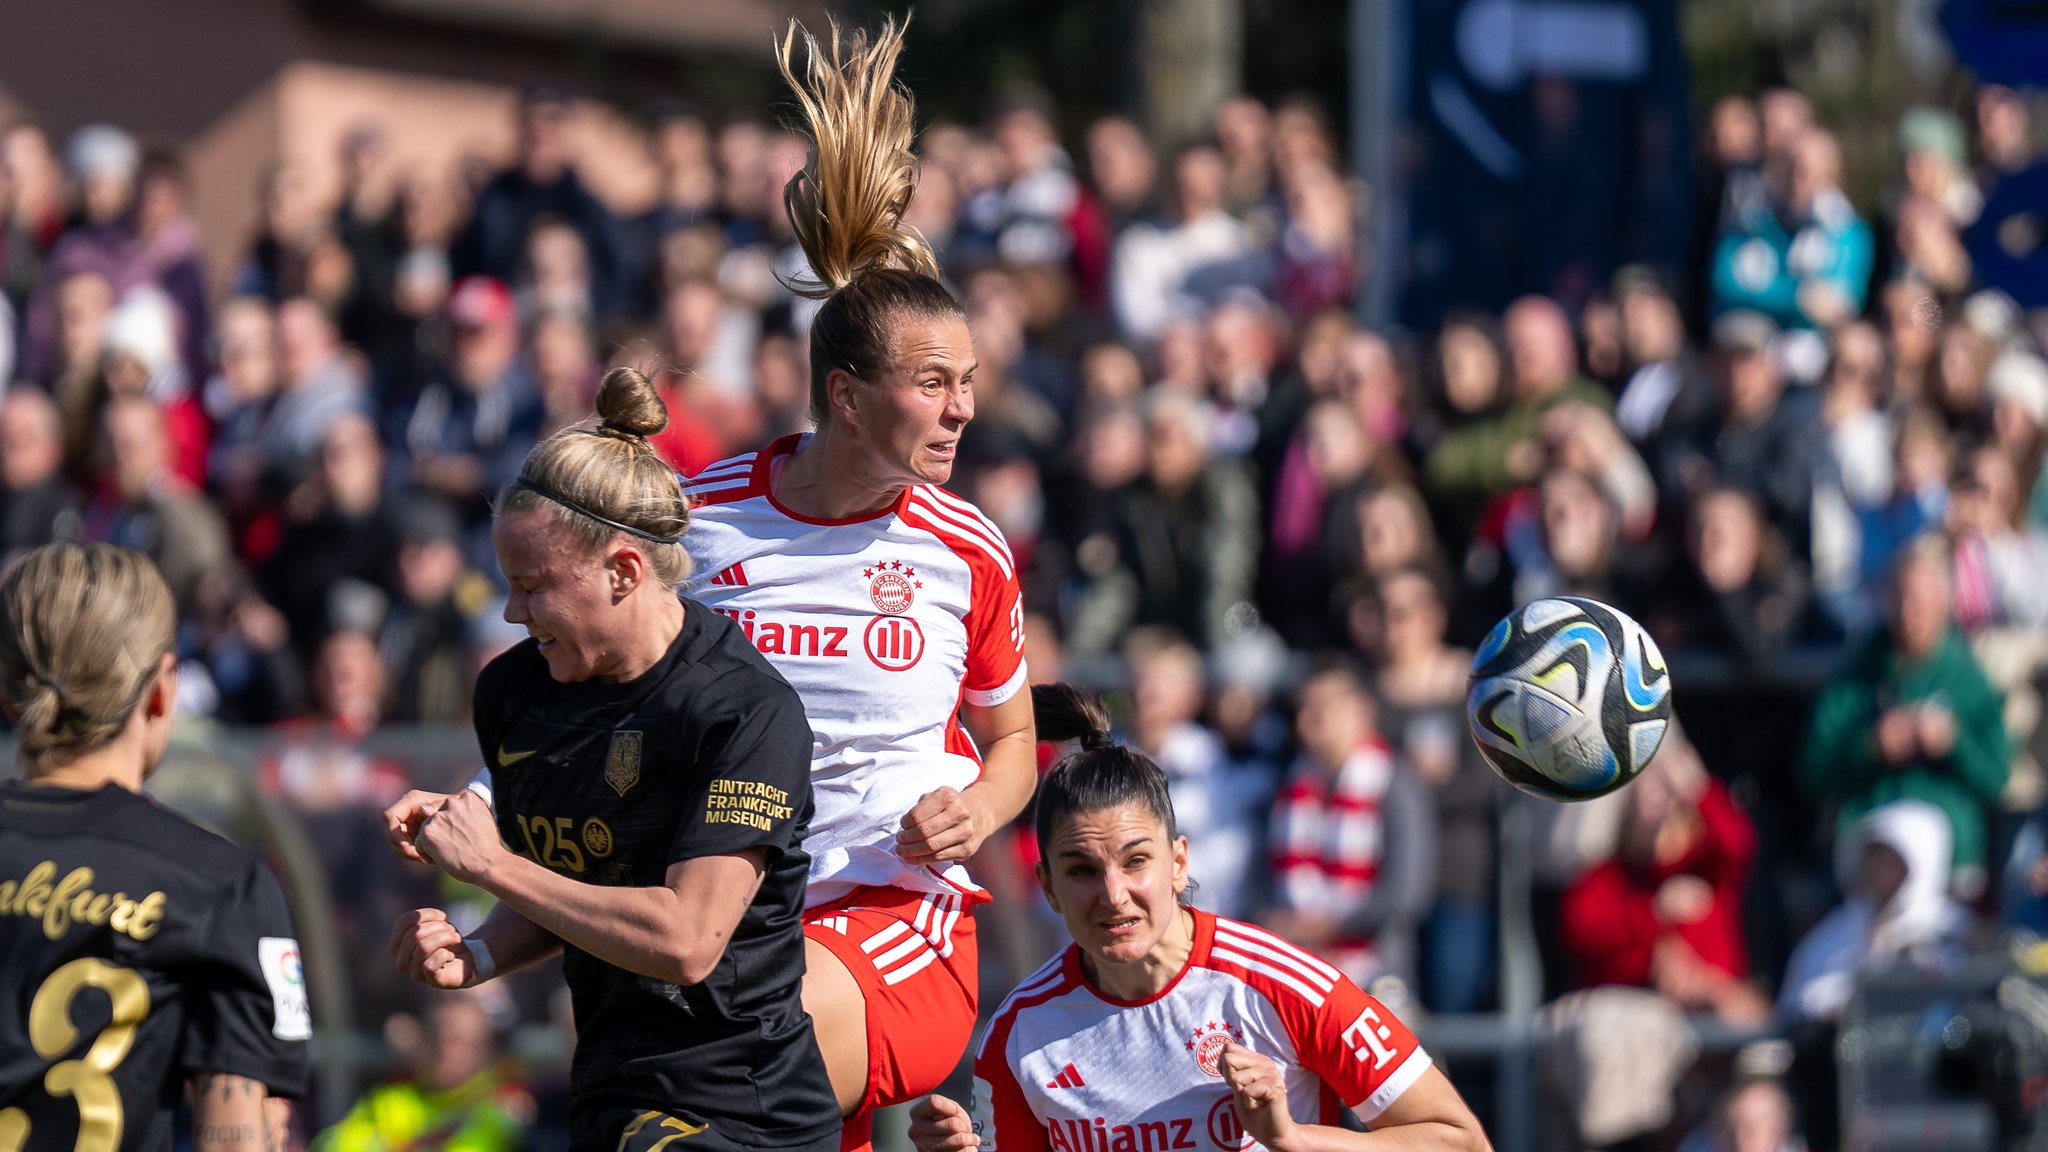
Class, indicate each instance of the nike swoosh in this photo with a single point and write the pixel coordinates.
(508, 759)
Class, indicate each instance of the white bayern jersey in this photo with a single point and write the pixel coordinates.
(1064, 1068)
(885, 625)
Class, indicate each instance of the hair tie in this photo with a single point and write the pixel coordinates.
(1096, 740)
(619, 430)
(547, 493)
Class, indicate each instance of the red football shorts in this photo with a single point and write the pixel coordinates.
(914, 956)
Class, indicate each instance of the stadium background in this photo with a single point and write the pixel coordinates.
(1253, 397)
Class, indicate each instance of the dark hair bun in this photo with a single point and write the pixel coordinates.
(627, 402)
(1065, 712)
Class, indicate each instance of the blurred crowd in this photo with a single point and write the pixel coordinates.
(1811, 464)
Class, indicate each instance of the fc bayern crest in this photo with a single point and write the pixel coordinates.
(892, 585)
(1208, 1041)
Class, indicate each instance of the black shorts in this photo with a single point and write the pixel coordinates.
(625, 1128)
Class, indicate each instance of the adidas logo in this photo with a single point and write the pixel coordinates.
(733, 577)
(1069, 1077)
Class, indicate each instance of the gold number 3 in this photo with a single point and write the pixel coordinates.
(88, 1079)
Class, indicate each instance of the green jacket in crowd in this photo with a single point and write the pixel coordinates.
(486, 1114)
(1841, 766)
(1471, 462)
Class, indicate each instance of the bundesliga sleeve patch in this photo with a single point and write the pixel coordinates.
(278, 957)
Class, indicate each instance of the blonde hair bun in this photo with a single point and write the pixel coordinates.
(627, 402)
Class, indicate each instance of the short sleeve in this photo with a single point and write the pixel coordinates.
(750, 785)
(1002, 1120)
(995, 636)
(249, 1013)
(1358, 1047)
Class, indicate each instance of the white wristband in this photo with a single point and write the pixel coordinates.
(480, 959)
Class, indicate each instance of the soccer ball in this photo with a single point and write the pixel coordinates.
(1568, 698)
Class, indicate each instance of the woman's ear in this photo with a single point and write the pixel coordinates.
(162, 699)
(627, 568)
(1044, 874)
(1180, 865)
(842, 393)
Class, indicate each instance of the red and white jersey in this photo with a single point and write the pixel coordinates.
(1064, 1067)
(885, 625)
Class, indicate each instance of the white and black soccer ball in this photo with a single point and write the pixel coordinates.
(1568, 699)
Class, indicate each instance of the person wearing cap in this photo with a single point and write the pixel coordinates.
(468, 429)
(543, 182)
(427, 633)
(1765, 437)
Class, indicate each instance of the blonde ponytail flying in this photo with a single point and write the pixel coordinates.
(847, 204)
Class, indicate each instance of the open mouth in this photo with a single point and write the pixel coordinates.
(1122, 926)
(943, 449)
(546, 642)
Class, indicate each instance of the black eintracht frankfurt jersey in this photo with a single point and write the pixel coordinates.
(705, 754)
(136, 951)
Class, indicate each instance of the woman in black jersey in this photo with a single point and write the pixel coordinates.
(650, 774)
(146, 961)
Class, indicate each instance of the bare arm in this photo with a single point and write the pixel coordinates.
(236, 1114)
(1429, 1117)
(951, 825)
(674, 933)
(427, 947)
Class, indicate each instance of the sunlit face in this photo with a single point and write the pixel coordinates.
(910, 417)
(562, 595)
(1115, 877)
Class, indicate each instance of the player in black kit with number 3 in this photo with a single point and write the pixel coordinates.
(140, 957)
(648, 795)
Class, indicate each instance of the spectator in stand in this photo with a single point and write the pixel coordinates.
(237, 401)
(1244, 134)
(167, 255)
(1894, 865)
(34, 212)
(1805, 262)
(1921, 468)
(1853, 471)
(1353, 837)
(1216, 802)
(1386, 529)
(1669, 393)
(322, 380)
(564, 368)
(1185, 535)
(1027, 216)
(1665, 912)
(2004, 135)
(1912, 322)
(1912, 716)
(459, 1096)
(1152, 262)
(543, 182)
(1566, 542)
(554, 273)
(84, 301)
(339, 537)
(1332, 464)
(679, 140)
(417, 245)
(141, 504)
(103, 162)
(465, 434)
(1419, 687)
(37, 505)
(1318, 246)
(1744, 594)
(1122, 172)
(1767, 438)
(1756, 1114)
(1240, 348)
(1999, 557)
(438, 600)
(140, 358)
(1500, 450)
